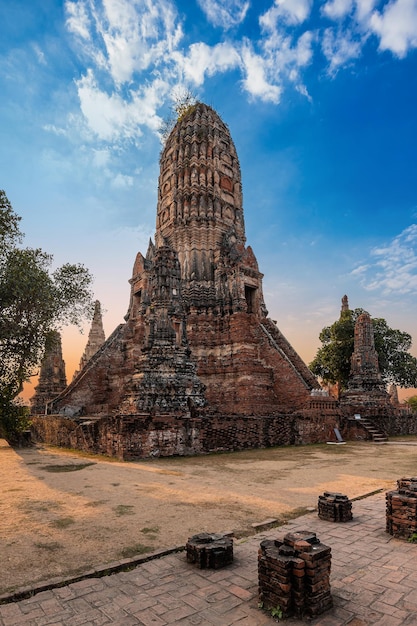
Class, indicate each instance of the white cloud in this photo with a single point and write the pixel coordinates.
(364, 9)
(336, 9)
(112, 117)
(203, 59)
(137, 34)
(339, 48)
(396, 26)
(392, 268)
(225, 13)
(121, 181)
(302, 89)
(256, 82)
(105, 114)
(130, 35)
(101, 158)
(135, 58)
(39, 54)
(77, 19)
(287, 11)
(56, 130)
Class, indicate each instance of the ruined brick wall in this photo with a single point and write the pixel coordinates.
(53, 429)
(399, 422)
(130, 437)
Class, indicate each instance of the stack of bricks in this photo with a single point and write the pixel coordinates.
(294, 575)
(210, 550)
(334, 507)
(401, 509)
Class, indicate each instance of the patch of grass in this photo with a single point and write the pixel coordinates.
(51, 546)
(153, 530)
(63, 522)
(38, 505)
(72, 467)
(131, 551)
(289, 515)
(124, 509)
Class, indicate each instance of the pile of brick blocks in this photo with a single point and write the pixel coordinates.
(294, 575)
(401, 509)
(210, 550)
(334, 507)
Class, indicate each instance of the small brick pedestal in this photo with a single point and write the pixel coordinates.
(401, 509)
(210, 550)
(334, 507)
(294, 574)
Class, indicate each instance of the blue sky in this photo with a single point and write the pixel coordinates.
(321, 101)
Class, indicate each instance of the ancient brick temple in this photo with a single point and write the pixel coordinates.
(198, 365)
(197, 332)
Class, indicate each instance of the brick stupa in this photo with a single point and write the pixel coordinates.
(96, 338)
(52, 378)
(197, 339)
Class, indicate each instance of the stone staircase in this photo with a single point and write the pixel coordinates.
(378, 436)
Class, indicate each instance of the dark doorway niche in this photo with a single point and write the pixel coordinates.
(250, 298)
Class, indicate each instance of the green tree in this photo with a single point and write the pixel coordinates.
(412, 403)
(332, 361)
(33, 301)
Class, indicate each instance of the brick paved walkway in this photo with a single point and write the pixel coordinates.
(373, 581)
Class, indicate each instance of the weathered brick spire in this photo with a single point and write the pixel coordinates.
(365, 384)
(345, 305)
(52, 378)
(364, 366)
(96, 336)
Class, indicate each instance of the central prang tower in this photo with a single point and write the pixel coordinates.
(200, 215)
(197, 340)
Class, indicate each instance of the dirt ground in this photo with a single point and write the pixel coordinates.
(62, 513)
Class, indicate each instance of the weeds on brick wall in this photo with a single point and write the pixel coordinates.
(275, 611)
